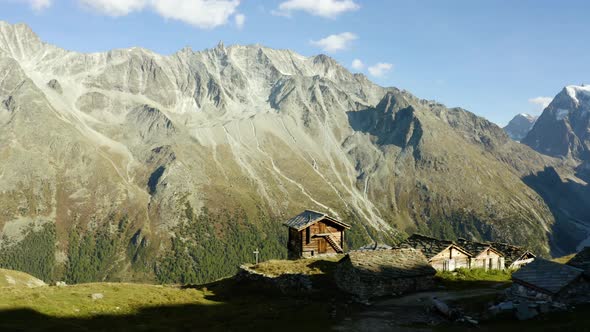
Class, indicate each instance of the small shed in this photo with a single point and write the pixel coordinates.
(375, 273)
(514, 257)
(546, 280)
(313, 233)
(582, 261)
(485, 256)
(443, 255)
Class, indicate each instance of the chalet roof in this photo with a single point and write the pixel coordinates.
(546, 276)
(511, 253)
(390, 263)
(429, 245)
(309, 217)
(476, 248)
(581, 260)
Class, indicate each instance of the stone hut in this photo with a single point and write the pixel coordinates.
(374, 273)
(514, 257)
(551, 281)
(484, 255)
(443, 255)
(314, 233)
(582, 261)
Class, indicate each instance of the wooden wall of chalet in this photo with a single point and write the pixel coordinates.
(313, 245)
(449, 260)
(306, 243)
(488, 260)
(294, 244)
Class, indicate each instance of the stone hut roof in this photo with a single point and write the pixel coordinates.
(390, 263)
(309, 217)
(374, 246)
(429, 245)
(475, 248)
(511, 253)
(581, 260)
(546, 276)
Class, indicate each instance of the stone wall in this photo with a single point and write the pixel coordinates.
(577, 292)
(285, 283)
(368, 285)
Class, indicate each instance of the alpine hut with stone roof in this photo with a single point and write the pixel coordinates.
(514, 257)
(314, 233)
(547, 280)
(375, 273)
(582, 261)
(443, 255)
(484, 255)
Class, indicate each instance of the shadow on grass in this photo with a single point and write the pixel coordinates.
(239, 306)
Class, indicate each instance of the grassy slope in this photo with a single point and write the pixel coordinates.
(225, 305)
(564, 259)
(310, 266)
(473, 278)
(9, 278)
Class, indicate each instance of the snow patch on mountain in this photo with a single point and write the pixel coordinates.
(574, 91)
(561, 114)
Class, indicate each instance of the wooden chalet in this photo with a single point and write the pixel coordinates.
(484, 255)
(443, 255)
(514, 257)
(314, 233)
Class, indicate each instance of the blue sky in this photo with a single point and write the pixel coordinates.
(490, 57)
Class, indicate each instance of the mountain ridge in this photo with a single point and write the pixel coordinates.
(172, 168)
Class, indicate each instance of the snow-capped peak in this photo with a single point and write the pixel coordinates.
(574, 91)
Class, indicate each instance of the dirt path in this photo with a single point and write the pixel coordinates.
(407, 313)
(419, 299)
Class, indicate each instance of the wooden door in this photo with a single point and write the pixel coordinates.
(321, 245)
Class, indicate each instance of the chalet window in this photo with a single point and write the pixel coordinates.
(307, 236)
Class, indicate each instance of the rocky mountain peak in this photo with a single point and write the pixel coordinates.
(19, 40)
(563, 129)
(520, 126)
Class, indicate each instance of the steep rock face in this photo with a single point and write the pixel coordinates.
(176, 167)
(451, 172)
(563, 130)
(520, 126)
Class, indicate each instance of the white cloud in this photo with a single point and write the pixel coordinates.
(200, 13)
(38, 5)
(357, 64)
(240, 19)
(543, 102)
(335, 43)
(115, 7)
(380, 69)
(324, 8)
